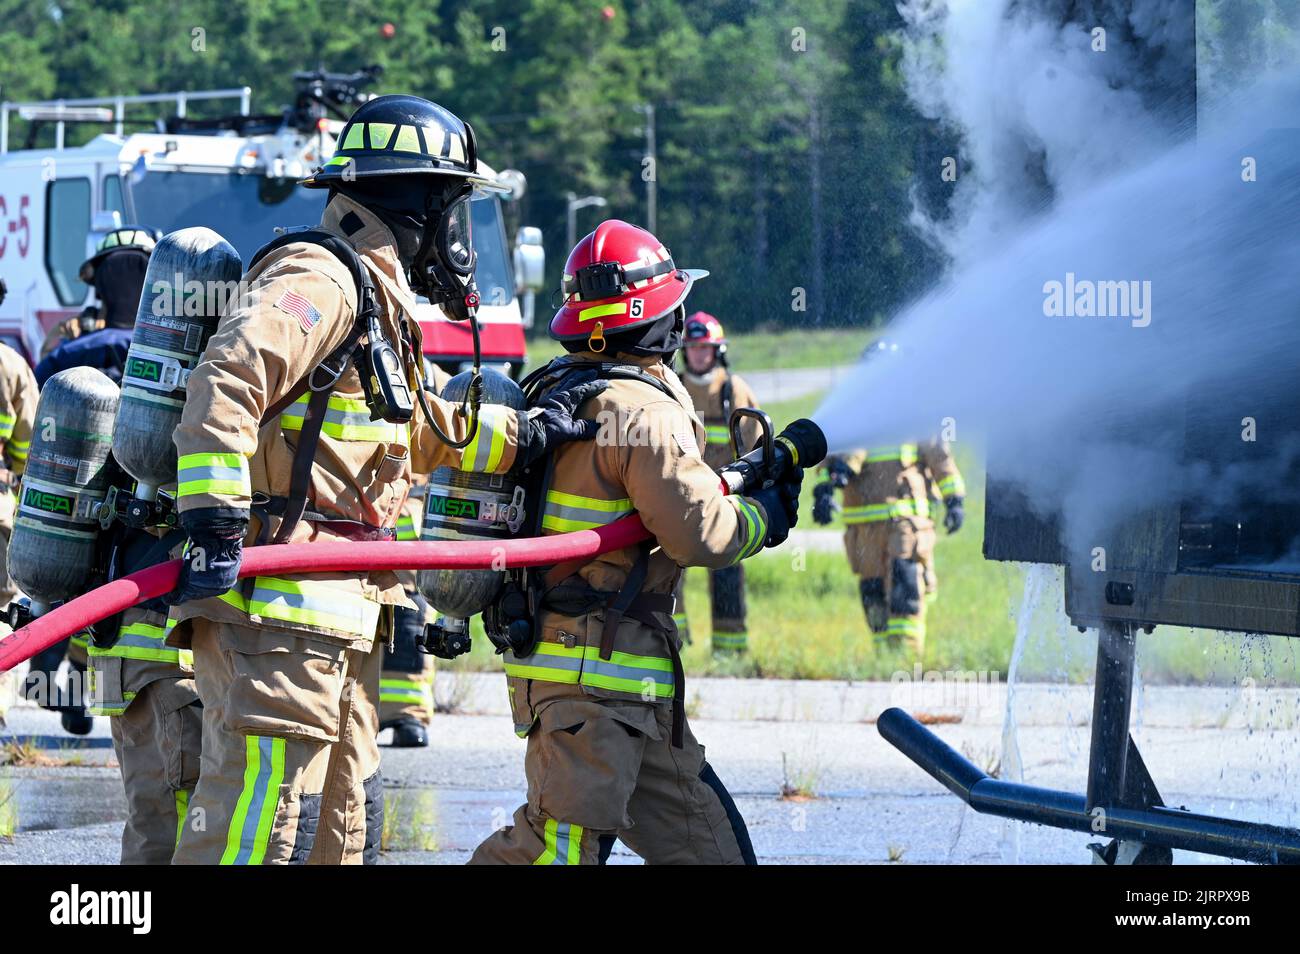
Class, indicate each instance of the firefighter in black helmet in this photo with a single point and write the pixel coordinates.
(288, 668)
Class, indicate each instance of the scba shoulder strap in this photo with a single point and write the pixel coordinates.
(545, 584)
(367, 308)
(334, 365)
(552, 376)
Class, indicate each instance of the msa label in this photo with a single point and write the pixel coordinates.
(464, 507)
(47, 502)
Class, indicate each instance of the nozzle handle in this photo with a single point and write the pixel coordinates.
(801, 445)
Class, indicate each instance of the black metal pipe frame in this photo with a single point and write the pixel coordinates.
(1165, 827)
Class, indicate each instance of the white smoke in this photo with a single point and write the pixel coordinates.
(1042, 113)
(1076, 166)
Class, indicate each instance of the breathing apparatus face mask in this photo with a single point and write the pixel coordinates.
(443, 267)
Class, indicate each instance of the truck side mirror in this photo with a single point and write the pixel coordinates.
(530, 260)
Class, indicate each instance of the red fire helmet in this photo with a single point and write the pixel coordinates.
(617, 278)
(703, 328)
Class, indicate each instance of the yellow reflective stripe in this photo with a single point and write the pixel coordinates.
(407, 140)
(566, 512)
(548, 843)
(310, 603)
(356, 137)
(622, 672)
(406, 691)
(905, 626)
(213, 474)
(182, 810)
(904, 453)
(484, 451)
(723, 640)
(380, 134)
(717, 434)
(622, 504)
(406, 529)
(143, 641)
(346, 419)
(952, 486)
(602, 311)
(561, 843)
(250, 825)
(755, 528)
(876, 513)
(6, 426)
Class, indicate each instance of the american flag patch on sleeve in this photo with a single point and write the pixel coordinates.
(306, 313)
(686, 441)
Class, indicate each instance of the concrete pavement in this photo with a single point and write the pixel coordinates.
(858, 800)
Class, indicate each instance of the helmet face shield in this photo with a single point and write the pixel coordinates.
(456, 238)
(443, 270)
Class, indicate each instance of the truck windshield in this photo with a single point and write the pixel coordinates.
(245, 209)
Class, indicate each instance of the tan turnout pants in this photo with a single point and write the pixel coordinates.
(157, 741)
(892, 559)
(290, 768)
(599, 769)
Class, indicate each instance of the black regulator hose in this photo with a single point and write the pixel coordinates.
(473, 397)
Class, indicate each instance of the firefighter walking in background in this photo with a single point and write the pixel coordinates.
(100, 335)
(285, 666)
(889, 532)
(715, 392)
(18, 396)
(592, 657)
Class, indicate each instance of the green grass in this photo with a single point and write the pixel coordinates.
(759, 349)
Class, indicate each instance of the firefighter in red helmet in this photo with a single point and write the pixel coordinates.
(592, 656)
(716, 391)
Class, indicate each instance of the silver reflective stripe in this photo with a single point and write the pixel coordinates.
(210, 473)
(584, 514)
(595, 666)
(253, 815)
(562, 832)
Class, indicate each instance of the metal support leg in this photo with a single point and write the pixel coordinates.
(1111, 700)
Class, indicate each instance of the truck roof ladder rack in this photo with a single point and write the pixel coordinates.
(96, 109)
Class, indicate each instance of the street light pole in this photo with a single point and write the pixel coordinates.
(573, 205)
(651, 174)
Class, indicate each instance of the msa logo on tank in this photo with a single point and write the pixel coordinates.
(491, 508)
(50, 503)
(41, 498)
(454, 507)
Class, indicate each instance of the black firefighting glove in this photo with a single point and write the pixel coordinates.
(781, 504)
(210, 564)
(840, 472)
(956, 514)
(823, 502)
(551, 423)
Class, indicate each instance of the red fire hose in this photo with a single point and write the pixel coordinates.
(75, 615)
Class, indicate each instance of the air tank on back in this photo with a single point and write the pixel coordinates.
(52, 548)
(464, 505)
(193, 275)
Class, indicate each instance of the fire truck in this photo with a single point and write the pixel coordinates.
(235, 173)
